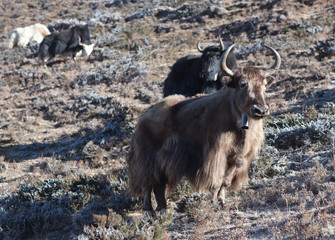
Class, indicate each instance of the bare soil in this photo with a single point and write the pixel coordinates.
(65, 129)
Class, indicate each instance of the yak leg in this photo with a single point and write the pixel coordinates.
(215, 194)
(159, 191)
(222, 195)
(219, 195)
(45, 60)
(229, 176)
(226, 183)
(221, 192)
(238, 163)
(147, 206)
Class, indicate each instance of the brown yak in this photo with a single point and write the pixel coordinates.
(201, 138)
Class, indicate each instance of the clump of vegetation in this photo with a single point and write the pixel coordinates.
(52, 205)
(307, 129)
(88, 207)
(109, 224)
(75, 118)
(311, 130)
(125, 70)
(189, 204)
(174, 3)
(301, 137)
(95, 155)
(306, 226)
(269, 164)
(183, 188)
(135, 36)
(326, 48)
(17, 57)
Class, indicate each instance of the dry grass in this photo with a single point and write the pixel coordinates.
(65, 130)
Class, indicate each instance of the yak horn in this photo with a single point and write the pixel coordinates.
(277, 63)
(221, 42)
(80, 43)
(199, 47)
(244, 122)
(224, 67)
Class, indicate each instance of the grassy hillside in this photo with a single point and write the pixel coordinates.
(65, 129)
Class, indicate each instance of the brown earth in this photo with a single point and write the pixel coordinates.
(73, 120)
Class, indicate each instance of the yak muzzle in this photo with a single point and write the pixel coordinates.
(260, 111)
(209, 77)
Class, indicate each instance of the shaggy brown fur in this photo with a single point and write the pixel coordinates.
(199, 138)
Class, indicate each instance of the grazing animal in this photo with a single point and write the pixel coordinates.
(72, 42)
(193, 74)
(200, 138)
(20, 37)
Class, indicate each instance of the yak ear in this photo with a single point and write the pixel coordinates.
(229, 82)
(269, 80)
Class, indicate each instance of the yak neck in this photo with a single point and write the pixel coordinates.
(235, 112)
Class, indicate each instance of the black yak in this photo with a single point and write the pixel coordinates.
(193, 74)
(72, 42)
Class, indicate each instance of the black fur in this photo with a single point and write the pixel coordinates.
(66, 41)
(193, 74)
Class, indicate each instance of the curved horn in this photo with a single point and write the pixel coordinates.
(221, 42)
(224, 67)
(277, 63)
(199, 47)
(80, 43)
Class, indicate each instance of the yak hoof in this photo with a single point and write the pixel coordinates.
(161, 211)
(220, 203)
(149, 214)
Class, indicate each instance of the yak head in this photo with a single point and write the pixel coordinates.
(210, 62)
(250, 85)
(83, 32)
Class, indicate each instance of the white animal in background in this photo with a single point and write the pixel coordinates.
(20, 37)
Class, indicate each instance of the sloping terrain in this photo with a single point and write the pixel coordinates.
(65, 129)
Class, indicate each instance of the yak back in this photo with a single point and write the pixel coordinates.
(187, 83)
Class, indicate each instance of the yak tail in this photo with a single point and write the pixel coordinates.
(12, 39)
(43, 51)
(141, 169)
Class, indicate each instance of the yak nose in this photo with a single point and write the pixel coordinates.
(261, 111)
(209, 76)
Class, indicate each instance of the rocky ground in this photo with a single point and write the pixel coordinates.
(65, 129)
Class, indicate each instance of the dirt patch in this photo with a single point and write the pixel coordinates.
(65, 130)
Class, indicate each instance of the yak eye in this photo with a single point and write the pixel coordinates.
(243, 85)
